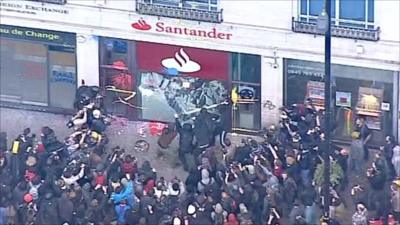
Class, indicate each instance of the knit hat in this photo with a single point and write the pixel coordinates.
(28, 198)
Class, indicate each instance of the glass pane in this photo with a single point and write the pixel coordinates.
(62, 78)
(352, 10)
(246, 68)
(371, 14)
(247, 116)
(167, 2)
(24, 72)
(163, 96)
(114, 71)
(303, 7)
(247, 113)
(316, 7)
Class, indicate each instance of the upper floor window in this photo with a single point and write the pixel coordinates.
(199, 10)
(206, 5)
(347, 13)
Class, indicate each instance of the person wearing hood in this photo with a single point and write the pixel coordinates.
(125, 194)
(203, 131)
(396, 160)
(147, 171)
(185, 149)
(219, 215)
(360, 217)
(206, 182)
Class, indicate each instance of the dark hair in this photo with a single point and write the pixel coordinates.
(27, 131)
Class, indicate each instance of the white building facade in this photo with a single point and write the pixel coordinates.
(177, 55)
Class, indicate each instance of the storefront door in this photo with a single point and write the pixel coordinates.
(246, 92)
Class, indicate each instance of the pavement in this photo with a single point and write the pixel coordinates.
(121, 132)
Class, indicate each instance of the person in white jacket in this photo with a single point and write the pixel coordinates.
(70, 179)
(396, 160)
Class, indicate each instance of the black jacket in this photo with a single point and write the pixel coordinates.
(201, 132)
(185, 137)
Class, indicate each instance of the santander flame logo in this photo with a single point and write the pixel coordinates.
(181, 62)
(141, 25)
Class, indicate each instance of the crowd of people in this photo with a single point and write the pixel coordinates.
(82, 180)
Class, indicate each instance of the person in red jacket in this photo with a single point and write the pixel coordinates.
(232, 220)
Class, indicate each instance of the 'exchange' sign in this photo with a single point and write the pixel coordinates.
(47, 36)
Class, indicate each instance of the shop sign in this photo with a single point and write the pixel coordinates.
(32, 8)
(47, 36)
(202, 63)
(305, 68)
(63, 74)
(161, 27)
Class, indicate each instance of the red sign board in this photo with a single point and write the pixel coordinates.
(201, 63)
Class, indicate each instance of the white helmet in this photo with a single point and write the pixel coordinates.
(96, 113)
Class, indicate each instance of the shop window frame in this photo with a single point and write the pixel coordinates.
(239, 79)
(37, 107)
(395, 100)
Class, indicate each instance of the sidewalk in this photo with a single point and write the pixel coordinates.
(122, 133)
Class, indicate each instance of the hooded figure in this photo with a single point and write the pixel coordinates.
(219, 214)
(185, 144)
(396, 160)
(360, 217)
(206, 182)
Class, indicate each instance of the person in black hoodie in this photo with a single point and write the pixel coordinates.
(185, 142)
(202, 132)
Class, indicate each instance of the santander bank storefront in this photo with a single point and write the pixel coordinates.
(153, 82)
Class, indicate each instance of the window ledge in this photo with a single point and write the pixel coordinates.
(337, 31)
(57, 2)
(179, 12)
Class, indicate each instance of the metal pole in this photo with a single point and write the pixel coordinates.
(327, 131)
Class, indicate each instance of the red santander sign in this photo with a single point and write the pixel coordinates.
(161, 27)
